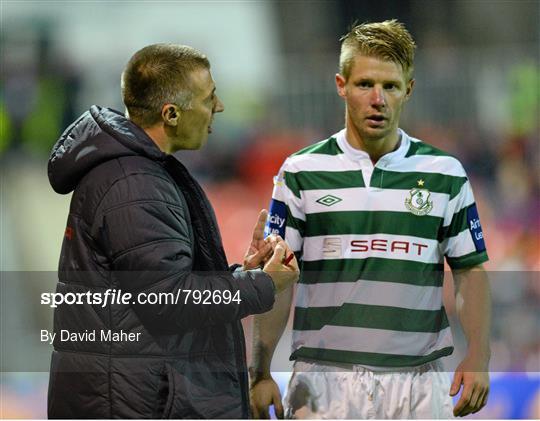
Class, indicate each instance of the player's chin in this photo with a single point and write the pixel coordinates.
(375, 133)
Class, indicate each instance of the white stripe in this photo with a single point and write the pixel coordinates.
(464, 198)
(445, 165)
(459, 245)
(293, 239)
(361, 339)
(369, 293)
(320, 162)
(281, 192)
(362, 199)
(284, 194)
(318, 248)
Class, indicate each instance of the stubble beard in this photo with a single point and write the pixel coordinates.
(371, 135)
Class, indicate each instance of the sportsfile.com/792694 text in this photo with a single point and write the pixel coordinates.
(114, 297)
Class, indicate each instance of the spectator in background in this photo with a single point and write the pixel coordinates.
(139, 223)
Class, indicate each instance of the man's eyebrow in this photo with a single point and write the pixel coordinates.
(371, 79)
(363, 79)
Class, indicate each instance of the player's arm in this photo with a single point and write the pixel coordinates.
(267, 330)
(286, 219)
(473, 306)
(465, 252)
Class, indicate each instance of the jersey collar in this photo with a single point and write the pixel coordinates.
(357, 154)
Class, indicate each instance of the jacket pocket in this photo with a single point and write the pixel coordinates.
(165, 394)
(170, 396)
(205, 390)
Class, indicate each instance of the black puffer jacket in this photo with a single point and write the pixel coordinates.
(139, 223)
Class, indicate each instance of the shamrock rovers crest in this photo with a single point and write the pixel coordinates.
(418, 201)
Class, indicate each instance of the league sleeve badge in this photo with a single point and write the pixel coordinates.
(277, 219)
(473, 222)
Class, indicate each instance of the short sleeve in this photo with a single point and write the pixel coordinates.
(463, 242)
(286, 215)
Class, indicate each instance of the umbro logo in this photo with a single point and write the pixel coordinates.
(328, 200)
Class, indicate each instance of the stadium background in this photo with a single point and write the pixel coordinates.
(477, 96)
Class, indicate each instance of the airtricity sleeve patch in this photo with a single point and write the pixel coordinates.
(277, 219)
(473, 222)
(464, 245)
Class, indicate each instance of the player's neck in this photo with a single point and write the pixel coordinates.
(375, 148)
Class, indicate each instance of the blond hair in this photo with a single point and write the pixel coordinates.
(156, 75)
(388, 40)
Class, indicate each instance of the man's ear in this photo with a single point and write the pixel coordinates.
(170, 113)
(340, 85)
(409, 89)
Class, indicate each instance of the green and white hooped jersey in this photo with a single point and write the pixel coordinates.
(372, 242)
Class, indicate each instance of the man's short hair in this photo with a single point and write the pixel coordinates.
(388, 40)
(156, 75)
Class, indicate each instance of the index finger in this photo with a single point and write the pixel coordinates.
(481, 401)
(476, 397)
(463, 400)
(258, 229)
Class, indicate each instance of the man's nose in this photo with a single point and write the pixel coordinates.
(219, 107)
(377, 97)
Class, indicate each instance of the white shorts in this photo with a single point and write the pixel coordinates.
(352, 391)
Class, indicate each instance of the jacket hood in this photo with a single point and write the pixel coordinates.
(97, 136)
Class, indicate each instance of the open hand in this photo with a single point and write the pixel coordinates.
(474, 378)
(263, 393)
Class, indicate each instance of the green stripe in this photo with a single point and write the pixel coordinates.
(370, 316)
(434, 182)
(372, 222)
(325, 147)
(292, 183)
(369, 358)
(295, 223)
(421, 148)
(467, 261)
(458, 223)
(314, 180)
(372, 269)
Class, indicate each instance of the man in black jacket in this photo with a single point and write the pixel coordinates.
(141, 227)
